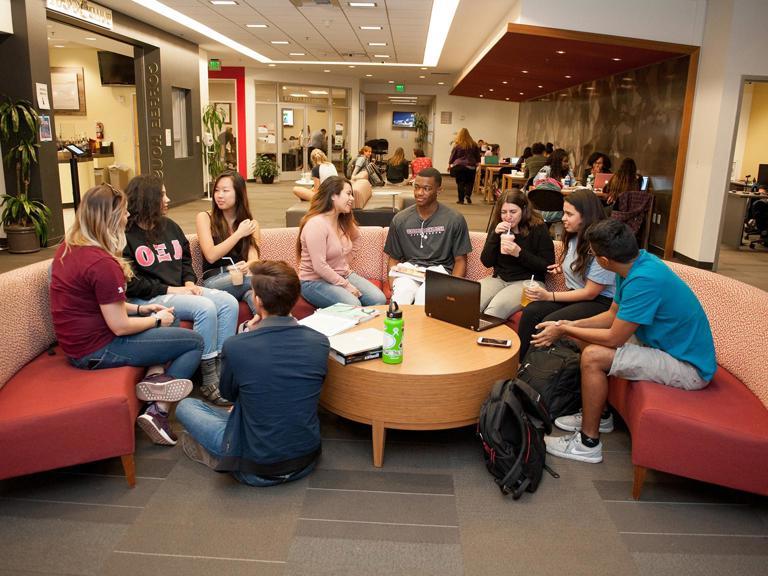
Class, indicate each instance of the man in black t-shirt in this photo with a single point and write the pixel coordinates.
(427, 234)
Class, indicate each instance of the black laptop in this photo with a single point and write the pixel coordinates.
(456, 300)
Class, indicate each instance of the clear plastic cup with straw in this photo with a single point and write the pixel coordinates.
(524, 300)
(235, 274)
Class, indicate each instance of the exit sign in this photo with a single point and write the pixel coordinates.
(399, 87)
(214, 65)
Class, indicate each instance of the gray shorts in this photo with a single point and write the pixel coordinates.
(637, 362)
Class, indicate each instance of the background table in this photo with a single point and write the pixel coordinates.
(391, 193)
(443, 380)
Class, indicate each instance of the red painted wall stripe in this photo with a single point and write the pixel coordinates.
(237, 73)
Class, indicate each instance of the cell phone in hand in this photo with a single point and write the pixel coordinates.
(497, 342)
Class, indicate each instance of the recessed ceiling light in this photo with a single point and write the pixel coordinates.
(490, 89)
(297, 54)
(390, 81)
(318, 91)
(377, 43)
(524, 71)
(503, 81)
(223, 2)
(285, 87)
(58, 46)
(423, 67)
(540, 86)
(563, 94)
(481, 96)
(559, 51)
(256, 26)
(368, 75)
(271, 65)
(381, 55)
(422, 76)
(616, 59)
(362, 4)
(278, 41)
(326, 70)
(90, 39)
(590, 88)
(441, 83)
(506, 98)
(568, 76)
(351, 66)
(522, 93)
(297, 95)
(370, 27)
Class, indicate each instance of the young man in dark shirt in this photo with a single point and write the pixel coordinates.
(273, 373)
(427, 234)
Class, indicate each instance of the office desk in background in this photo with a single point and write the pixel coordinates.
(736, 209)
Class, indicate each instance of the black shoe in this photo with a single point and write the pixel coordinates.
(469, 200)
(460, 202)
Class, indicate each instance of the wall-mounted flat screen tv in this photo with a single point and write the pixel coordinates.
(116, 69)
(403, 119)
(288, 117)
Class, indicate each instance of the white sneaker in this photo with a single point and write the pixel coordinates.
(571, 447)
(572, 423)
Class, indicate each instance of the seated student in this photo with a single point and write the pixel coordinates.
(518, 247)
(159, 254)
(96, 327)
(590, 287)
(626, 179)
(527, 153)
(272, 435)
(536, 161)
(427, 234)
(597, 163)
(419, 162)
(397, 167)
(328, 239)
(655, 330)
(555, 170)
(228, 233)
(360, 177)
(321, 169)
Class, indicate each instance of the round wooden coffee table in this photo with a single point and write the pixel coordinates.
(443, 380)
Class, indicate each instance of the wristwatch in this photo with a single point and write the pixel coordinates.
(158, 320)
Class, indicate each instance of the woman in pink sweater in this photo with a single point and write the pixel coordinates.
(328, 238)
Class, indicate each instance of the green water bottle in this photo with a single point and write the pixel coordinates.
(393, 335)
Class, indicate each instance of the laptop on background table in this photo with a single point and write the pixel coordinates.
(601, 180)
(457, 301)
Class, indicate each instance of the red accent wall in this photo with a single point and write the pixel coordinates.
(237, 73)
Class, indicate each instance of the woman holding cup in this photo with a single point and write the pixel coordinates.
(590, 287)
(159, 254)
(228, 237)
(519, 250)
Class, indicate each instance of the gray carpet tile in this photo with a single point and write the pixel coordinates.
(377, 532)
(338, 557)
(68, 511)
(700, 544)
(680, 490)
(121, 563)
(55, 545)
(709, 565)
(146, 467)
(381, 481)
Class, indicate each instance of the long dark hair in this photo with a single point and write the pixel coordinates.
(624, 179)
(322, 202)
(145, 204)
(557, 170)
(220, 229)
(591, 210)
(528, 220)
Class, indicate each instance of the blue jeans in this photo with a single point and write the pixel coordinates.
(206, 424)
(214, 315)
(321, 294)
(223, 281)
(179, 346)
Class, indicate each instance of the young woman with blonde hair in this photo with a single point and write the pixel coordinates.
(397, 167)
(328, 240)
(97, 328)
(465, 156)
(321, 169)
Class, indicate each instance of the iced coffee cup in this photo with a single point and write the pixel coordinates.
(236, 275)
(528, 284)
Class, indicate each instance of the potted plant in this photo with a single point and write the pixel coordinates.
(265, 168)
(422, 129)
(25, 221)
(213, 122)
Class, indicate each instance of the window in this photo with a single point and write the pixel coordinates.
(182, 120)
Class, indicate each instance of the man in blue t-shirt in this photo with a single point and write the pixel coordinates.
(655, 330)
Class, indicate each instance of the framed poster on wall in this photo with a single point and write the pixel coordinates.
(68, 91)
(226, 109)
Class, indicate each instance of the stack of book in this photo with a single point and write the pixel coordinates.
(338, 318)
(408, 270)
(356, 346)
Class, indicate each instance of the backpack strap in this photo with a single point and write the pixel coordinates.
(513, 476)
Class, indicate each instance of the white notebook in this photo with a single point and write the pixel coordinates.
(357, 341)
(328, 324)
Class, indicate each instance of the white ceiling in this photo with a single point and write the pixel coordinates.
(331, 32)
(69, 37)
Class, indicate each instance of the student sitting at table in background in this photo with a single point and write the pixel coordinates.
(625, 201)
(597, 163)
(321, 169)
(625, 179)
(327, 242)
(518, 247)
(228, 233)
(427, 234)
(527, 153)
(555, 170)
(419, 162)
(273, 373)
(397, 167)
(536, 161)
(590, 287)
(159, 254)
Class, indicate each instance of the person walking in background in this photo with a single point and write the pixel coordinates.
(465, 156)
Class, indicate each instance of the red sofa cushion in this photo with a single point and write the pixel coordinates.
(718, 434)
(54, 415)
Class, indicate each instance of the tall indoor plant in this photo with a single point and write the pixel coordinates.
(422, 129)
(213, 123)
(25, 221)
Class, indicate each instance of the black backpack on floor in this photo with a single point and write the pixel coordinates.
(554, 373)
(512, 425)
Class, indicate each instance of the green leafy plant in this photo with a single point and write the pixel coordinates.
(19, 125)
(213, 122)
(422, 130)
(265, 168)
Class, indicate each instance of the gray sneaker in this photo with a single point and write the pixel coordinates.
(571, 447)
(572, 423)
(163, 388)
(196, 452)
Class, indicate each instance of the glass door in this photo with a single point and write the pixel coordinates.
(293, 139)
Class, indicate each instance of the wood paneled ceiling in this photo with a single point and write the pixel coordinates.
(529, 62)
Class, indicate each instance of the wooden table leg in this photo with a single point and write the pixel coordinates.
(379, 437)
(478, 178)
